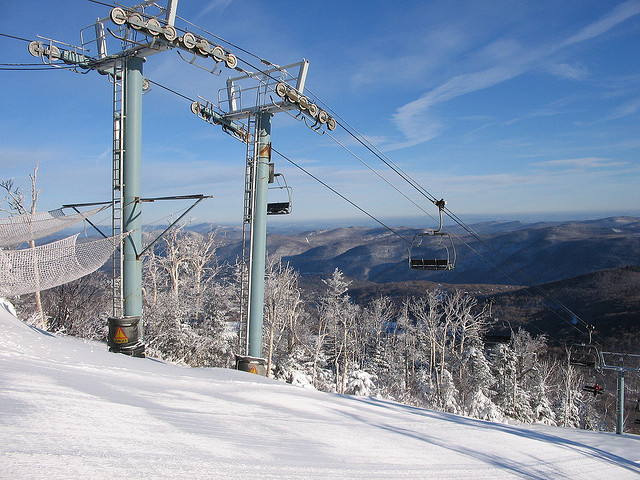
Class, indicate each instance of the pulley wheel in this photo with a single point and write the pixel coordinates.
(52, 52)
(292, 95)
(36, 49)
(118, 16)
(189, 40)
(231, 61)
(313, 109)
(154, 27)
(331, 123)
(169, 33)
(195, 108)
(218, 54)
(281, 89)
(204, 47)
(136, 21)
(323, 116)
(146, 84)
(303, 102)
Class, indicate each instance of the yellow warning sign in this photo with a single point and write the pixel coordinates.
(120, 337)
(253, 370)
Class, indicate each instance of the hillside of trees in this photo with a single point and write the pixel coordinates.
(429, 345)
(530, 253)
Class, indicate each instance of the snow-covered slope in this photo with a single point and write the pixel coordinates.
(70, 409)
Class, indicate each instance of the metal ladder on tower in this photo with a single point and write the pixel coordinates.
(249, 189)
(116, 195)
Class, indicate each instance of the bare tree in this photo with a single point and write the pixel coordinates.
(336, 317)
(14, 197)
(282, 307)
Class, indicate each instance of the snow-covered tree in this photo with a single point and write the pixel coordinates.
(79, 308)
(338, 314)
(14, 198)
(283, 307)
(475, 387)
(186, 303)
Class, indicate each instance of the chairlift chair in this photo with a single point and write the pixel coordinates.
(595, 389)
(284, 191)
(584, 355)
(433, 249)
(497, 337)
(497, 333)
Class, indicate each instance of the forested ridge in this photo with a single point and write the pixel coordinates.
(429, 345)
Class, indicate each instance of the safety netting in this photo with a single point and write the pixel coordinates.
(47, 266)
(23, 228)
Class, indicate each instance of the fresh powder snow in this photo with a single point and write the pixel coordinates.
(70, 409)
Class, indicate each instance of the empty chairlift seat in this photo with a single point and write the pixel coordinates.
(432, 250)
(283, 192)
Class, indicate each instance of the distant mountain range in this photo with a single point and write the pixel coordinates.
(508, 253)
(538, 275)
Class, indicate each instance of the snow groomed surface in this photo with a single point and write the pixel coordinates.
(70, 409)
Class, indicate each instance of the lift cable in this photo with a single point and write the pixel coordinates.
(382, 177)
(360, 139)
(14, 37)
(454, 217)
(340, 195)
(375, 151)
(524, 275)
(369, 146)
(34, 69)
(237, 47)
(170, 90)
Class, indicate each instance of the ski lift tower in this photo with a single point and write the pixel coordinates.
(146, 29)
(591, 356)
(255, 98)
(133, 28)
(621, 363)
(142, 30)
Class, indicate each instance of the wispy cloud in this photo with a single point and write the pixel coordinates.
(544, 112)
(581, 163)
(629, 108)
(504, 60)
(414, 119)
(619, 14)
(211, 6)
(569, 71)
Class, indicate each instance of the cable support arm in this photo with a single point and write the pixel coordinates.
(199, 199)
(341, 195)
(206, 113)
(92, 224)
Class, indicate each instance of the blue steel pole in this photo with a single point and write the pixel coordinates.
(131, 178)
(259, 236)
(620, 409)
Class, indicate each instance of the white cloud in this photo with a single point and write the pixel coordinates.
(581, 163)
(414, 120)
(629, 108)
(619, 14)
(504, 60)
(569, 71)
(211, 6)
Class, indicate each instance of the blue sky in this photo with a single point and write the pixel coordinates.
(505, 109)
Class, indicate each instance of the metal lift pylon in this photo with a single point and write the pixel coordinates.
(274, 90)
(140, 35)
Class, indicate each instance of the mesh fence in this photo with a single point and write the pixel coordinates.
(54, 264)
(23, 228)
